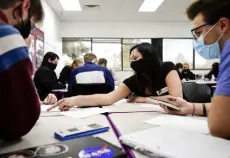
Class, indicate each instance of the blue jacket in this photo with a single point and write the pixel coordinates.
(90, 73)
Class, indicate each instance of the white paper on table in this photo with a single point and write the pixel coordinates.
(87, 112)
(183, 122)
(45, 107)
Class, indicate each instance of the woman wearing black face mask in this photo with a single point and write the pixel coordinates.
(151, 78)
(45, 78)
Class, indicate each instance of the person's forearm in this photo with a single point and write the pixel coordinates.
(95, 100)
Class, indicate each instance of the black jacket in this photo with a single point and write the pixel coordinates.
(65, 75)
(188, 75)
(45, 81)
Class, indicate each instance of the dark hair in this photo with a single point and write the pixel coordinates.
(36, 9)
(148, 52)
(150, 57)
(49, 55)
(179, 66)
(102, 61)
(212, 10)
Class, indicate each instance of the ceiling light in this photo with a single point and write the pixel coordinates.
(70, 5)
(150, 5)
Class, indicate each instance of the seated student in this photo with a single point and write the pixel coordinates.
(90, 73)
(67, 70)
(214, 71)
(179, 68)
(103, 62)
(45, 78)
(187, 73)
(20, 107)
(211, 20)
(152, 78)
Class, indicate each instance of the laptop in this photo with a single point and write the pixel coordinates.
(87, 147)
(169, 142)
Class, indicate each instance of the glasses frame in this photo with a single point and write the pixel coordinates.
(193, 30)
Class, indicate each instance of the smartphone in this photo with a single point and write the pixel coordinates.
(164, 102)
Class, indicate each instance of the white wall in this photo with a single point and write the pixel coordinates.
(125, 30)
(51, 29)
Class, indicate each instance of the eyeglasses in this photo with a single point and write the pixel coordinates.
(194, 32)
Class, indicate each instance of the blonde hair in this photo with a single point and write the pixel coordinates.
(76, 62)
(186, 64)
(89, 57)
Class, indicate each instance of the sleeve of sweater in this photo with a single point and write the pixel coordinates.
(20, 106)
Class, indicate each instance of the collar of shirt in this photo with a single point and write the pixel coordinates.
(89, 63)
(3, 18)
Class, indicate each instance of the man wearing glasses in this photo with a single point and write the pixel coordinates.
(211, 22)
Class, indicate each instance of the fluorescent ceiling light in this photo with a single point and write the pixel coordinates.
(70, 5)
(150, 5)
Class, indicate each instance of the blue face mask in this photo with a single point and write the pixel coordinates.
(207, 51)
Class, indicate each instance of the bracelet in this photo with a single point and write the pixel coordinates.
(193, 111)
(204, 110)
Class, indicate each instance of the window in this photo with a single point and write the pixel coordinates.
(178, 51)
(201, 63)
(75, 48)
(109, 49)
(127, 45)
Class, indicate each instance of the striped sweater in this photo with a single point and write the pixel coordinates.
(20, 108)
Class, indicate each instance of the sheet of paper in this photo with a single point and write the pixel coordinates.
(45, 107)
(87, 112)
(183, 122)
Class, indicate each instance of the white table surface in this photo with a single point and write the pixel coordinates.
(123, 106)
(43, 132)
(133, 122)
(60, 90)
(201, 82)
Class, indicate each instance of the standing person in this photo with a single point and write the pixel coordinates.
(211, 22)
(103, 62)
(187, 73)
(214, 71)
(67, 70)
(152, 78)
(45, 78)
(20, 106)
(179, 68)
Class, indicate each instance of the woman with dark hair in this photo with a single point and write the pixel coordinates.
(67, 70)
(45, 78)
(214, 71)
(152, 78)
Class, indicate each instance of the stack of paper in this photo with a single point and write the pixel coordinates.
(182, 122)
(87, 112)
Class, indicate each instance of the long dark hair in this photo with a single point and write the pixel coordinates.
(49, 55)
(151, 57)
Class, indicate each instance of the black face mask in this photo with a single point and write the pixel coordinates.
(141, 67)
(25, 27)
(52, 66)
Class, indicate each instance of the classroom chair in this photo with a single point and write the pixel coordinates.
(197, 93)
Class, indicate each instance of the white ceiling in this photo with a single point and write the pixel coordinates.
(124, 11)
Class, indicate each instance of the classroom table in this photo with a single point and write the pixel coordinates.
(43, 132)
(123, 107)
(202, 82)
(133, 122)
